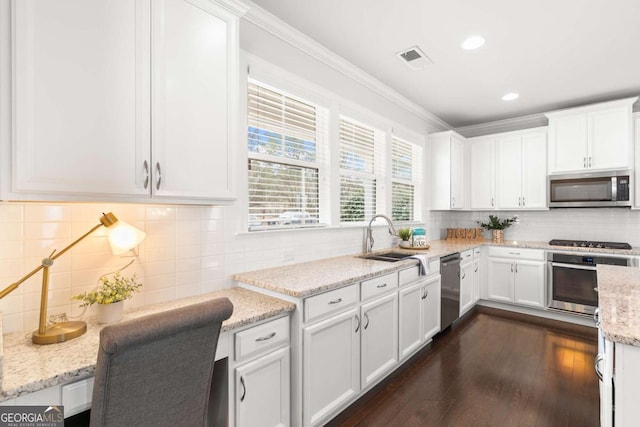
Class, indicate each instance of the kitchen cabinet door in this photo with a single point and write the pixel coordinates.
(500, 279)
(331, 365)
(510, 172)
(410, 333)
(447, 170)
(610, 139)
(457, 173)
(466, 287)
(477, 273)
(483, 176)
(194, 97)
(529, 287)
(81, 103)
(431, 308)
(568, 143)
(262, 391)
(534, 170)
(379, 338)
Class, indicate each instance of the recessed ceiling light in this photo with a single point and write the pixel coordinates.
(510, 96)
(472, 42)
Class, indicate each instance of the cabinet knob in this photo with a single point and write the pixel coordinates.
(366, 317)
(589, 161)
(584, 162)
(244, 389)
(357, 326)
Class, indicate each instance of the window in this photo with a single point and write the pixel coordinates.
(361, 169)
(285, 154)
(406, 177)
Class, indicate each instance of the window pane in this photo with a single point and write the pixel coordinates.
(356, 147)
(357, 199)
(401, 160)
(280, 125)
(282, 195)
(402, 197)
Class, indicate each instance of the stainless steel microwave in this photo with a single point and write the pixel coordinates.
(593, 189)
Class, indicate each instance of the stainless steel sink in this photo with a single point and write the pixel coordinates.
(386, 256)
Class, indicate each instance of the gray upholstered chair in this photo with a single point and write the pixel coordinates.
(156, 370)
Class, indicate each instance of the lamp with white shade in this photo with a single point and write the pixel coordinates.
(122, 238)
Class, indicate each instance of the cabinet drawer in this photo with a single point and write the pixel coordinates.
(518, 253)
(477, 252)
(466, 256)
(412, 274)
(262, 338)
(331, 302)
(378, 285)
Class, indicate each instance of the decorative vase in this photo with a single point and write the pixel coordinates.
(498, 236)
(110, 313)
(405, 244)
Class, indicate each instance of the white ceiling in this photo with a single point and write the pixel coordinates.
(554, 53)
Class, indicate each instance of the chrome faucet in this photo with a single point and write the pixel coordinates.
(368, 241)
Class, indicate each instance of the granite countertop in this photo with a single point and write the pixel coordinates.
(619, 303)
(27, 367)
(305, 279)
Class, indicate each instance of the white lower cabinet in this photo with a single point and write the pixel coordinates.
(260, 373)
(478, 271)
(517, 276)
(262, 391)
(379, 338)
(466, 287)
(419, 315)
(331, 365)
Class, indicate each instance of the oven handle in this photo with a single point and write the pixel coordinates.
(576, 266)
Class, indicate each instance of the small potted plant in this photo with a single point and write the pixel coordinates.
(405, 235)
(110, 296)
(497, 226)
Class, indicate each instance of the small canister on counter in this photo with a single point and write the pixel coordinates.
(419, 238)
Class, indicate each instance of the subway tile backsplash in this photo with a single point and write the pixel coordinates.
(602, 224)
(189, 250)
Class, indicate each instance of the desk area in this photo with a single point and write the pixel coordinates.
(39, 371)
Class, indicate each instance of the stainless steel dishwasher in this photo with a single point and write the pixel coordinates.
(450, 290)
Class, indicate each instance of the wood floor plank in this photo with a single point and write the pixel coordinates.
(490, 370)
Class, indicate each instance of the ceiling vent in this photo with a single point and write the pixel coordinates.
(414, 58)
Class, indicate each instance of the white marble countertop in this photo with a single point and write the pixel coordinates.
(619, 303)
(305, 279)
(27, 367)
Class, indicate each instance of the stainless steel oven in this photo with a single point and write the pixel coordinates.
(572, 279)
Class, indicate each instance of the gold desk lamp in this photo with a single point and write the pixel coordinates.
(122, 238)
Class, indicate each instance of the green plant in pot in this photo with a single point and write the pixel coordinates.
(497, 226)
(110, 296)
(405, 235)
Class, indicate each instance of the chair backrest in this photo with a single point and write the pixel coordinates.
(156, 370)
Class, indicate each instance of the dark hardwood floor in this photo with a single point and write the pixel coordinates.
(491, 368)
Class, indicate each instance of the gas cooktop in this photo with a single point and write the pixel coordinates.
(588, 244)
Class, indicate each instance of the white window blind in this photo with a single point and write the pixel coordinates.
(285, 137)
(361, 168)
(406, 179)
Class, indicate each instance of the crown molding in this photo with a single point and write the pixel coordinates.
(274, 25)
(506, 125)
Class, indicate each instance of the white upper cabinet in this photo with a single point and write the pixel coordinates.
(81, 109)
(593, 137)
(194, 94)
(482, 161)
(522, 173)
(123, 100)
(447, 170)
